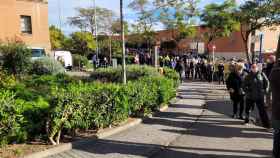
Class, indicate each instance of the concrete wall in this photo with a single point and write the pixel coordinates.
(10, 12)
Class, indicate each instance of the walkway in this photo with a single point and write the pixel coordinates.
(197, 126)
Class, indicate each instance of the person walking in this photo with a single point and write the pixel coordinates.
(234, 85)
(256, 85)
(221, 74)
(179, 68)
(192, 68)
(275, 87)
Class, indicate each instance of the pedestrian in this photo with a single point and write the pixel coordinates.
(94, 61)
(187, 69)
(256, 85)
(179, 68)
(275, 86)
(221, 74)
(269, 66)
(234, 85)
(192, 68)
(210, 72)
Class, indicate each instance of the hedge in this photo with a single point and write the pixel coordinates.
(52, 106)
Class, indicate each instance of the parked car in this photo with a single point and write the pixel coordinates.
(65, 57)
(38, 53)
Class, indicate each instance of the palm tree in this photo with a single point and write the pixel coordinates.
(123, 43)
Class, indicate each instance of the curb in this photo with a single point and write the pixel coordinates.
(163, 108)
(52, 151)
(68, 146)
(111, 131)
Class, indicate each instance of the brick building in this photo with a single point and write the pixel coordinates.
(227, 47)
(25, 20)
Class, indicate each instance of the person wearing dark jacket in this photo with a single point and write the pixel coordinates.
(275, 87)
(256, 85)
(179, 68)
(235, 86)
(267, 71)
(221, 74)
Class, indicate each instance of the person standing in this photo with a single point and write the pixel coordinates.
(267, 71)
(179, 68)
(221, 74)
(234, 85)
(187, 68)
(256, 85)
(275, 87)
(192, 68)
(210, 72)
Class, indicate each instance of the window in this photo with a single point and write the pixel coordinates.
(26, 24)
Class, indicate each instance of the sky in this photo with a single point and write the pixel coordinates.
(67, 9)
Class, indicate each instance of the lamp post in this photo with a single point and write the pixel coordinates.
(95, 25)
(123, 43)
(213, 53)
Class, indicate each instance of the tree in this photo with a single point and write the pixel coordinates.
(16, 57)
(57, 38)
(178, 16)
(219, 20)
(82, 43)
(255, 15)
(86, 22)
(116, 27)
(145, 21)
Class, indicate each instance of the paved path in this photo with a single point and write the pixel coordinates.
(189, 129)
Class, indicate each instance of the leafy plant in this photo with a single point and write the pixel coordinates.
(11, 119)
(16, 57)
(47, 66)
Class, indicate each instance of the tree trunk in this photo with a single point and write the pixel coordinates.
(247, 50)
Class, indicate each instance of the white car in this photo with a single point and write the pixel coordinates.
(64, 57)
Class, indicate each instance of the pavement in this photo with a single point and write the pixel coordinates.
(198, 125)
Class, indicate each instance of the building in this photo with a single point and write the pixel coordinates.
(227, 47)
(25, 20)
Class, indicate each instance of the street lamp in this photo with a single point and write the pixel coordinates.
(213, 53)
(95, 25)
(123, 43)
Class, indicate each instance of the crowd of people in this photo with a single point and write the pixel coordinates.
(195, 68)
(250, 86)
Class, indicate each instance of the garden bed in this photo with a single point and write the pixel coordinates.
(48, 108)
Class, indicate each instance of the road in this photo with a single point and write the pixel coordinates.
(197, 126)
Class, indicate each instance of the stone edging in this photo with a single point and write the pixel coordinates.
(68, 146)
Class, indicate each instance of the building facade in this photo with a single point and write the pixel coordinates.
(227, 47)
(25, 20)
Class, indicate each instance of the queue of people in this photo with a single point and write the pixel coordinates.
(250, 86)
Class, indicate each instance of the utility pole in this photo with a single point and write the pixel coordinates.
(59, 14)
(96, 35)
(123, 43)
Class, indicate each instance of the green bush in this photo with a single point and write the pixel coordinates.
(63, 104)
(47, 66)
(172, 74)
(133, 72)
(80, 61)
(11, 119)
(16, 57)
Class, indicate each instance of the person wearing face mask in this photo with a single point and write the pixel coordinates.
(235, 86)
(256, 85)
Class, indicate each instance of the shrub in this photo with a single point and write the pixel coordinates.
(16, 57)
(172, 74)
(11, 119)
(80, 61)
(134, 72)
(6, 80)
(47, 66)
